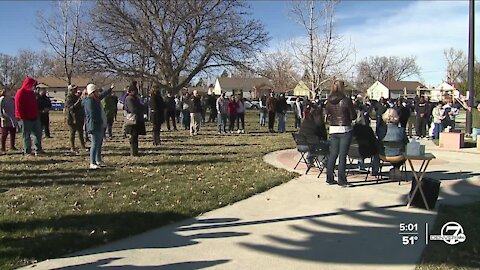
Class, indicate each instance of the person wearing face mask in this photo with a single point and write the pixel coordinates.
(96, 123)
(26, 110)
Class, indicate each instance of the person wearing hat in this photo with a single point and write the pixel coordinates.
(96, 122)
(75, 117)
(135, 107)
(26, 110)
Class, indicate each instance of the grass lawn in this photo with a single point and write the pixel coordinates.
(439, 255)
(52, 205)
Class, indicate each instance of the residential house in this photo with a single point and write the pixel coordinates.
(301, 89)
(396, 89)
(57, 87)
(438, 93)
(250, 88)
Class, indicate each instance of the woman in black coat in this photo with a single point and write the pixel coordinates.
(134, 106)
(157, 113)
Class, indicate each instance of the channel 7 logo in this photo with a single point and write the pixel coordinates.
(452, 233)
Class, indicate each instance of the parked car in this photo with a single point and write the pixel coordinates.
(252, 104)
(57, 105)
(291, 101)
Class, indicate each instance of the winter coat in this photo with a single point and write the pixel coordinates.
(75, 114)
(314, 125)
(394, 134)
(26, 107)
(135, 106)
(7, 112)
(271, 104)
(157, 110)
(404, 115)
(196, 105)
(95, 117)
(340, 110)
(365, 138)
(240, 107)
(421, 110)
(222, 105)
(232, 108)
(170, 104)
(44, 103)
(110, 106)
(281, 105)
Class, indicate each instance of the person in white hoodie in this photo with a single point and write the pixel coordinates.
(438, 116)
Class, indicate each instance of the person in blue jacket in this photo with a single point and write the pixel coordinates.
(96, 122)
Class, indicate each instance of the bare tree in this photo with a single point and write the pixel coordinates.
(456, 65)
(384, 68)
(280, 68)
(7, 66)
(62, 32)
(170, 42)
(326, 54)
(13, 69)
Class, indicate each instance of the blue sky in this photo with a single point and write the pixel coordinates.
(390, 28)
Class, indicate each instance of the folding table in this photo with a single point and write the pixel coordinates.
(418, 175)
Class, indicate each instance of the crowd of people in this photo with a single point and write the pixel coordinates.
(90, 115)
(349, 120)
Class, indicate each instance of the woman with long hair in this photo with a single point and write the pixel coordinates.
(340, 113)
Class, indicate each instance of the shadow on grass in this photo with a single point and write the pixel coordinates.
(35, 162)
(57, 237)
(180, 162)
(42, 178)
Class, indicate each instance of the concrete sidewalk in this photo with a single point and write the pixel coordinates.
(303, 224)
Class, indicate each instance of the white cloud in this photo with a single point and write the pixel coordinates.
(423, 29)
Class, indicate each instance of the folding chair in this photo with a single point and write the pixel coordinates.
(319, 150)
(392, 159)
(355, 154)
(312, 145)
(302, 148)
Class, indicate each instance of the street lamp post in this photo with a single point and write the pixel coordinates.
(471, 59)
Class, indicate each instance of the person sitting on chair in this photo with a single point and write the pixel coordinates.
(393, 144)
(313, 128)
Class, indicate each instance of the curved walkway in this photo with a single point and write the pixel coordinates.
(302, 224)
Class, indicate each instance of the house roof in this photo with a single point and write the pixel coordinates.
(244, 83)
(445, 86)
(54, 82)
(401, 85)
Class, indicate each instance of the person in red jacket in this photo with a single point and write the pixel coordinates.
(26, 110)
